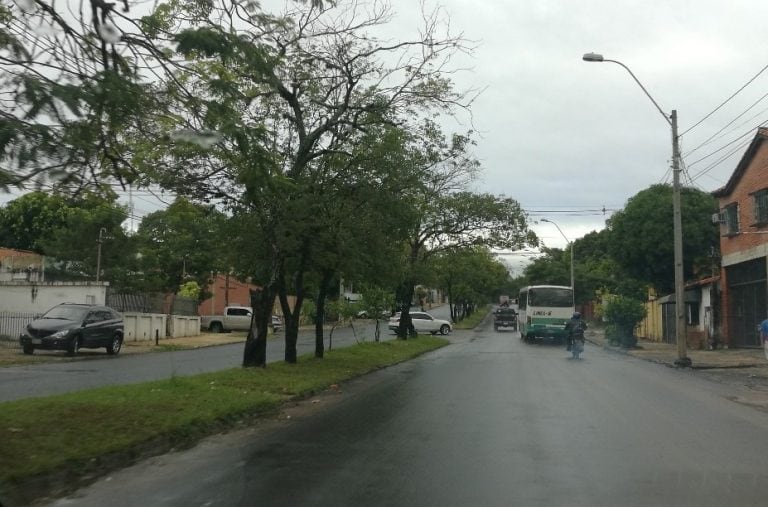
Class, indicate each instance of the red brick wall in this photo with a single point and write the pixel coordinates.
(755, 177)
(238, 294)
(226, 293)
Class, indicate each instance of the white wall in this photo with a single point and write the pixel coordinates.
(143, 326)
(40, 297)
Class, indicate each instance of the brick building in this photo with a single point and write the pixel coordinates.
(743, 217)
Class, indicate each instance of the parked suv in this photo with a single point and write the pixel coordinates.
(71, 326)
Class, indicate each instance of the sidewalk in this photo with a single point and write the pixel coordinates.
(666, 353)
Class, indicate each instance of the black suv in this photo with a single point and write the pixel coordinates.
(71, 326)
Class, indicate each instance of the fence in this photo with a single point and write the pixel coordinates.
(151, 303)
(12, 324)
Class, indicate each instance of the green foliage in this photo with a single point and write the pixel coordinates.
(376, 302)
(190, 290)
(641, 235)
(623, 315)
(180, 244)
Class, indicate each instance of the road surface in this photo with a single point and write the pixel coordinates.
(488, 421)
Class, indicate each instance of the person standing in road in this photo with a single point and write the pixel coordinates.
(764, 336)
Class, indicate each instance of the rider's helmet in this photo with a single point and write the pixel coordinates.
(576, 315)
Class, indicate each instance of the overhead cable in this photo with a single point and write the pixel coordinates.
(725, 101)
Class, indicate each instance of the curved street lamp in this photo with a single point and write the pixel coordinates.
(680, 334)
(570, 243)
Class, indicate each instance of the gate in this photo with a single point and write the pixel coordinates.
(746, 301)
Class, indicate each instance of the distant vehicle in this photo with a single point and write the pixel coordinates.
(363, 314)
(72, 326)
(277, 323)
(422, 322)
(505, 318)
(503, 300)
(544, 311)
(235, 318)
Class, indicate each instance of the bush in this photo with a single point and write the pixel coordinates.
(623, 314)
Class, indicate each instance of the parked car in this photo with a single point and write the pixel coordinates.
(363, 314)
(277, 323)
(423, 322)
(235, 318)
(72, 326)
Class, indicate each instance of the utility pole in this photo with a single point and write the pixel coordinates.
(680, 327)
(98, 252)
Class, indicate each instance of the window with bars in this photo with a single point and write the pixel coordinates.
(731, 213)
(761, 206)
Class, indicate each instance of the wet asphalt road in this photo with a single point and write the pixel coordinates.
(487, 421)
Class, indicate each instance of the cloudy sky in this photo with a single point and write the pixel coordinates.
(569, 139)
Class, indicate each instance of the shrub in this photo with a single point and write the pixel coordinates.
(624, 314)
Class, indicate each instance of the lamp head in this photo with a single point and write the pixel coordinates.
(592, 57)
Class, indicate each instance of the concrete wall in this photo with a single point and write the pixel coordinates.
(183, 325)
(29, 297)
(144, 326)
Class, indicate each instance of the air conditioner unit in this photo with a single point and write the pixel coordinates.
(718, 218)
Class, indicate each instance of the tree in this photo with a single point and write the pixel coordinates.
(181, 244)
(27, 221)
(76, 86)
(641, 236)
(469, 276)
(69, 229)
(281, 97)
(623, 314)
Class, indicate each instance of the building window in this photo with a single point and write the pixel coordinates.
(761, 206)
(731, 213)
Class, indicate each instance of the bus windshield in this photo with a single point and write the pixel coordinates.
(553, 297)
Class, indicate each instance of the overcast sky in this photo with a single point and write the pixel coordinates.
(568, 138)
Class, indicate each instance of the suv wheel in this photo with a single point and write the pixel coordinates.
(74, 346)
(444, 329)
(114, 348)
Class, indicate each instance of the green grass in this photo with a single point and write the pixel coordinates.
(473, 320)
(78, 431)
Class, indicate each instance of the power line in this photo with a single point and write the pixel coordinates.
(725, 101)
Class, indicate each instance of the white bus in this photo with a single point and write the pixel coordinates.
(544, 310)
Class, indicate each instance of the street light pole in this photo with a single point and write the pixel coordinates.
(570, 243)
(677, 221)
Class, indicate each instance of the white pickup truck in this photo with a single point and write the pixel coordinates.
(235, 318)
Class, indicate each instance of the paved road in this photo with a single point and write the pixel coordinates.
(487, 421)
(26, 381)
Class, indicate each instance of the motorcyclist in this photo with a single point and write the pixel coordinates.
(575, 334)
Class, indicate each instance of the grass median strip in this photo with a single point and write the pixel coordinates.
(73, 432)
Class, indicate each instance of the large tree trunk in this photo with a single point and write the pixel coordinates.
(404, 297)
(255, 353)
(322, 295)
(292, 316)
